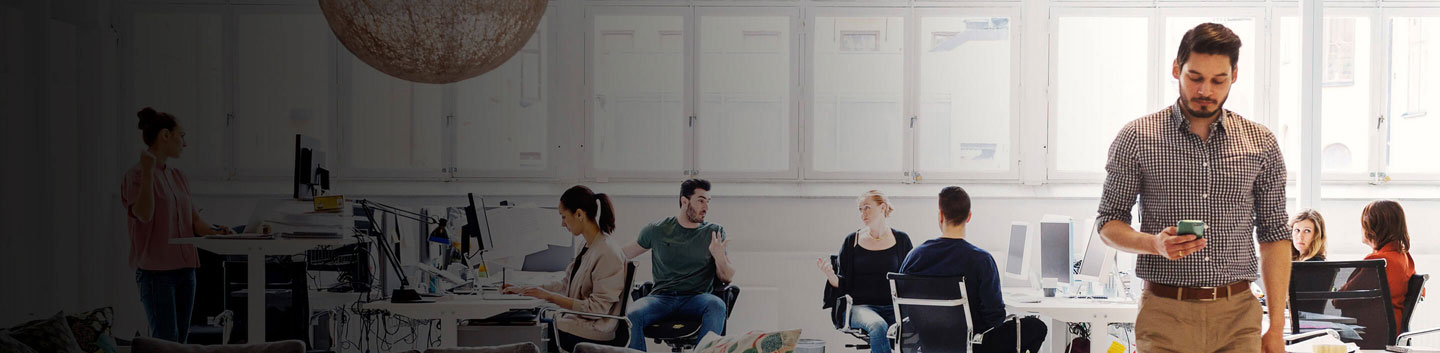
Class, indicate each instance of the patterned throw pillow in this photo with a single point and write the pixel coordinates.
(92, 330)
(47, 335)
(753, 342)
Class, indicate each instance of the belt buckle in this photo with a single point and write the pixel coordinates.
(1214, 294)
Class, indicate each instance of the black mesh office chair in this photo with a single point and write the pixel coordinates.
(682, 333)
(622, 331)
(1356, 304)
(933, 315)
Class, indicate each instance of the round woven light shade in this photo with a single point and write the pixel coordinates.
(433, 41)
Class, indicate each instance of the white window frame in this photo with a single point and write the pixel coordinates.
(587, 154)
(1387, 19)
(697, 164)
(908, 99)
(1011, 12)
(554, 126)
(1054, 174)
(333, 154)
(346, 165)
(127, 75)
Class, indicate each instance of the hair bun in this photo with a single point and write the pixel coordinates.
(147, 117)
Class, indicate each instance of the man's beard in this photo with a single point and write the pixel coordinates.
(694, 216)
(1196, 114)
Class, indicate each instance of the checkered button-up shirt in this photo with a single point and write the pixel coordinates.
(1234, 182)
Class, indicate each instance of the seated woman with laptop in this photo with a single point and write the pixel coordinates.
(595, 279)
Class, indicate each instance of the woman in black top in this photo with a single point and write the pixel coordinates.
(866, 256)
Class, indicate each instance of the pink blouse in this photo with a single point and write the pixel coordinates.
(150, 247)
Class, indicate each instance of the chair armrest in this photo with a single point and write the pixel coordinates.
(980, 336)
(1404, 338)
(1292, 339)
(642, 290)
(581, 313)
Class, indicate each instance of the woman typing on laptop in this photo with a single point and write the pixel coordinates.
(595, 279)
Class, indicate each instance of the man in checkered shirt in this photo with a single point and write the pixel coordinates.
(1197, 161)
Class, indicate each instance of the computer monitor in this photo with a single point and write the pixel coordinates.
(1016, 264)
(1099, 259)
(1055, 252)
(310, 176)
(475, 218)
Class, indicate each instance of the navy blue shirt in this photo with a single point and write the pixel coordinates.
(942, 257)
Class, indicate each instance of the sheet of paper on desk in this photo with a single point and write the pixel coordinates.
(520, 231)
(1305, 346)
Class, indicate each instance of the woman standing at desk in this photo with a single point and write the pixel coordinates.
(594, 281)
(866, 257)
(157, 209)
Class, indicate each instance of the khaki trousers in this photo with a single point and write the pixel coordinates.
(1230, 324)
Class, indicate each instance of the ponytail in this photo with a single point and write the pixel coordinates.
(607, 213)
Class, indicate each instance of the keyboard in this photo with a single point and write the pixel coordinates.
(494, 295)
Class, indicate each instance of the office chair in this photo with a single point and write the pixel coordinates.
(1356, 304)
(622, 332)
(926, 310)
(840, 316)
(682, 333)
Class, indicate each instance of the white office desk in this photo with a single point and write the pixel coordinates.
(255, 251)
(451, 309)
(1098, 313)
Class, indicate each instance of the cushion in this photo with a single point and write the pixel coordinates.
(753, 342)
(525, 347)
(10, 345)
(154, 345)
(47, 335)
(92, 330)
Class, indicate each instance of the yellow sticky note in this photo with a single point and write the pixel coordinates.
(1115, 347)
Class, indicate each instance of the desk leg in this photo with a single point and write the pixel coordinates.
(1099, 336)
(255, 302)
(448, 332)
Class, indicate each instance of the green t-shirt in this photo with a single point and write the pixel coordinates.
(680, 257)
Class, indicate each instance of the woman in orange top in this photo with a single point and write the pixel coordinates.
(1384, 224)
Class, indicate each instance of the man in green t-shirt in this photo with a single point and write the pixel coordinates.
(688, 257)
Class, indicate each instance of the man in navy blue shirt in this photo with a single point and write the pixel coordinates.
(950, 256)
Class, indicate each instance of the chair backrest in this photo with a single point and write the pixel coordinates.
(1349, 302)
(1412, 296)
(933, 313)
(839, 309)
(622, 334)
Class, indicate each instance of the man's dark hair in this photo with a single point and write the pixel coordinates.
(954, 205)
(1209, 38)
(688, 187)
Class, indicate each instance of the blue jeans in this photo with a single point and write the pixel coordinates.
(656, 307)
(875, 320)
(169, 299)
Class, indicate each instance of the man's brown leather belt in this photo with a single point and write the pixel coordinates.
(1197, 293)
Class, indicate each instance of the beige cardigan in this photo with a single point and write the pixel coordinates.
(596, 288)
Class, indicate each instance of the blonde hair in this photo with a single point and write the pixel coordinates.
(879, 198)
(1317, 244)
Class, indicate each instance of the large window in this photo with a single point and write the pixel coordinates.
(283, 79)
(1346, 120)
(179, 68)
(393, 126)
(858, 111)
(1102, 68)
(1414, 95)
(745, 84)
(965, 116)
(638, 113)
(502, 117)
